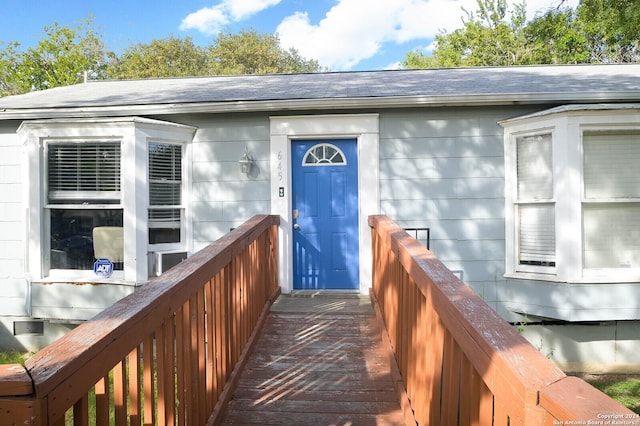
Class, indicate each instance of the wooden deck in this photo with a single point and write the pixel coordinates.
(173, 352)
(318, 361)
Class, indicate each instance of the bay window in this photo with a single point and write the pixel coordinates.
(572, 199)
(103, 191)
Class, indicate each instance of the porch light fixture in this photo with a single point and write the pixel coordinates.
(246, 162)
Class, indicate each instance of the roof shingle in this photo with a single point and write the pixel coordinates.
(608, 82)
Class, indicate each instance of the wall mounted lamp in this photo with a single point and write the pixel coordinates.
(246, 162)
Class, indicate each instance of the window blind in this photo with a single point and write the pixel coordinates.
(83, 171)
(535, 173)
(611, 235)
(165, 174)
(537, 234)
(536, 219)
(165, 192)
(611, 165)
(611, 212)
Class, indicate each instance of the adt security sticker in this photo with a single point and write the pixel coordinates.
(103, 267)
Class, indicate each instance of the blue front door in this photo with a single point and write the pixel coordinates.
(325, 214)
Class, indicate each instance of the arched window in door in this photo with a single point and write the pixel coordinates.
(324, 154)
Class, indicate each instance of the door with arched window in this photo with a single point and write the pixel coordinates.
(325, 214)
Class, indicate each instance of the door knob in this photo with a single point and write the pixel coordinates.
(296, 226)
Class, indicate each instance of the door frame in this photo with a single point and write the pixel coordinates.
(364, 128)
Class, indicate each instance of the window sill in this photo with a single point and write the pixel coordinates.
(115, 279)
(587, 279)
(610, 278)
(534, 276)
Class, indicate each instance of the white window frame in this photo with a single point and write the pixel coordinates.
(622, 273)
(567, 126)
(320, 162)
(76, 274)
(133, 134)
(520, 201)
(180, 245)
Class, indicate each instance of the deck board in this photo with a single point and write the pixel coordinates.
(317, 367)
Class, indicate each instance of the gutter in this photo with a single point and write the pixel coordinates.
(320, 104)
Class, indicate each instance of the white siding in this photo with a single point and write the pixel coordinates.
(571, 301)
(74, 301)
(594, 348)
(221, 196)
(14, 294)
(444, 169)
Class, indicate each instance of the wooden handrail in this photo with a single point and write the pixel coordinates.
(461, 363)
(163, 354)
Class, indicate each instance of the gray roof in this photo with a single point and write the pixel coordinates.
(389, 88)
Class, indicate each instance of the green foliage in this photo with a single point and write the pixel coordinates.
(487, 37)
(598, 31)
(612, 28)
(9, 85)
(417, 59)
(168, 57)
(59, 59)
(250, 52)
(63, 56)
(247, 52)
(554, 39)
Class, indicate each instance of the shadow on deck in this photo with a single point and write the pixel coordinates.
(319, 360)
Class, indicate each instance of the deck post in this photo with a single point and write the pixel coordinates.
(18, 404)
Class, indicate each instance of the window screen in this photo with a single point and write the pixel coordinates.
(165, 192)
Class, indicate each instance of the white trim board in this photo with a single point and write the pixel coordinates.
(365, 129)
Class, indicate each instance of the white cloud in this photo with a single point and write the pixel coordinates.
(351, 31)
(393, 66)
(241, 9)
(354, 30)
(209, 20)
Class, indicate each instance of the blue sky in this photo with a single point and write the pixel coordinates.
(341, 34)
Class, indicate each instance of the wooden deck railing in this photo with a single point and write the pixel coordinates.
(161, 356)
(460, 362)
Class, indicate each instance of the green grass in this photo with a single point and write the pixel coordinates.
(13, 357)
(626, 392)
